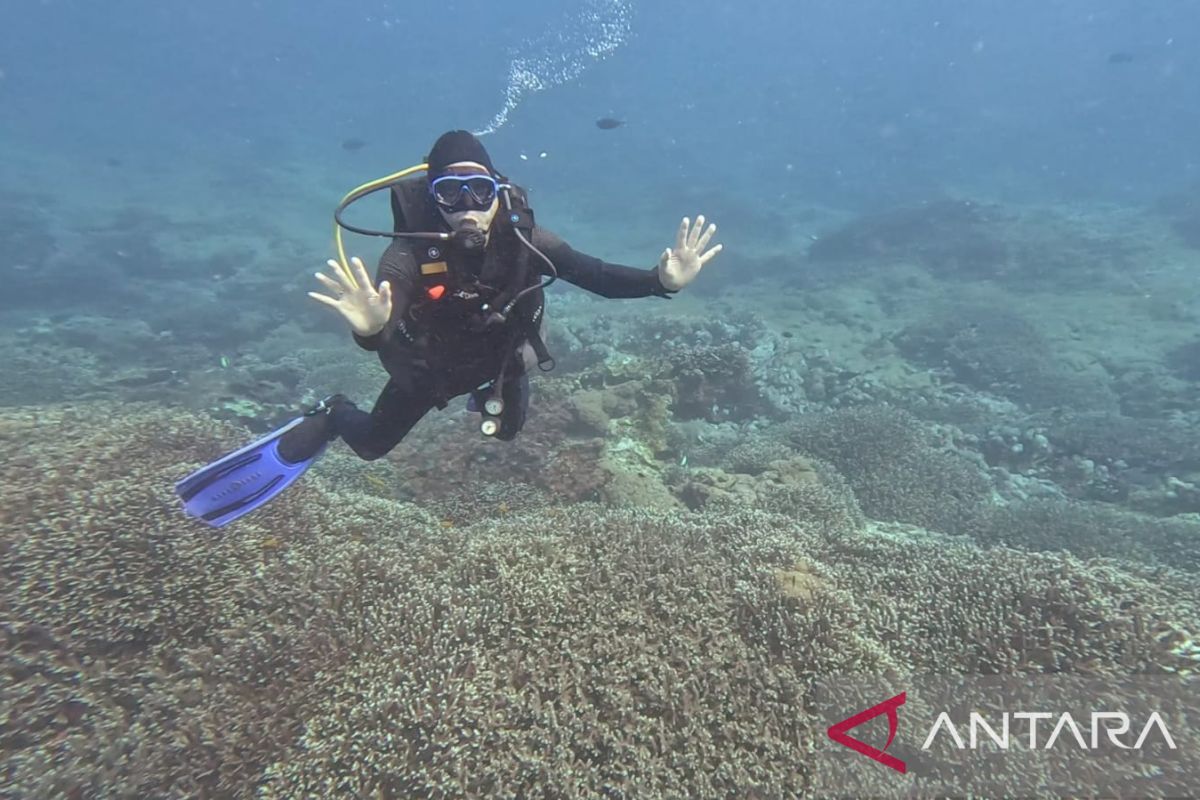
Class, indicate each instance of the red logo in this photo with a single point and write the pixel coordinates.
(838, 733)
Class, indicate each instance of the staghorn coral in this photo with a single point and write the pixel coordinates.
(119, 614)
(895, 466)
(566, 658)
(677, 676)
(942, 607)
(1146, 444)
(801, 488)
(339, 644)
(714, 383)
(1144, 464)
(47, 373)
(951, 606)
(753, 455)
(1090, 530)
(78, 507)
(718, 368)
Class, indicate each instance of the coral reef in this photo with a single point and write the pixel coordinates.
(334, 643)
(801, 488)
(464, 618)
(713, 383)
(126, 627)
(641, 405)
(445, 461)
(712, 367)
(996, 349)
(897, 467)
(657, 334)
(753, 455)
(949, 236)
(1144, 444)
(1090, 530)
(966, 240)
(953, 606)
(1152, 391)
(1146, 464)
(47, 373)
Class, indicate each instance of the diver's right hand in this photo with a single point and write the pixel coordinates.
(355, 297)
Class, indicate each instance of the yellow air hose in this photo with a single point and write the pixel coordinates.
(353, 195)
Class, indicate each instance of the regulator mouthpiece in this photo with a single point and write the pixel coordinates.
(469, 237)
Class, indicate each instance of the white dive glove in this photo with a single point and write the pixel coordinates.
(679, 265)
(355, 297)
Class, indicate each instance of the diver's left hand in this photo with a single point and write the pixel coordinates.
(679, 265)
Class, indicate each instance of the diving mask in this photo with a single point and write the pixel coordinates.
(465, 192)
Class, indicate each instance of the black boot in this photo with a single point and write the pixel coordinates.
(306, 439)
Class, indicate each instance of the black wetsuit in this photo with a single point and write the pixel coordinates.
(431, 354)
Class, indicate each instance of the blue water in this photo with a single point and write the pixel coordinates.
(934, 408)
(864, 100)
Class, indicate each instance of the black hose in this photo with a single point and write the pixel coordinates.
(533, 249)
(337, 216)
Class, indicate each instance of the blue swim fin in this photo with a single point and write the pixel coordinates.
(242, 481)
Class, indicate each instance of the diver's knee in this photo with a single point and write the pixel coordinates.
(367, 453)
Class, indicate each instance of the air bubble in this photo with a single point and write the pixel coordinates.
(561, 53)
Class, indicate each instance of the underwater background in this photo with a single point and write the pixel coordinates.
(933, 409)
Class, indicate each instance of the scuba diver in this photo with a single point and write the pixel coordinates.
(456, 308)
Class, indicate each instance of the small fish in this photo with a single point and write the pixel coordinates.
(353, 145)
(608, 123)
(1120, 58)
(224, 362)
